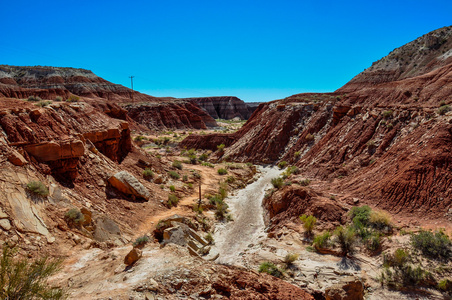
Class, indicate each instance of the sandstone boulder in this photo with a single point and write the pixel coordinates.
(126, 183)
(133, 256)
(5, 224)
(349, 288)
(16, 158)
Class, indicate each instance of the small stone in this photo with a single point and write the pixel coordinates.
(50, 240)
(3, 215)
(134, 255)
(5, 224)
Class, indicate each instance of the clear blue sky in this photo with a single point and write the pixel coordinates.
(256, 50)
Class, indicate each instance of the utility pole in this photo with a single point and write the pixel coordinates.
(131, 81)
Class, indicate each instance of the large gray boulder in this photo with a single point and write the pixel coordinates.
(126, 183)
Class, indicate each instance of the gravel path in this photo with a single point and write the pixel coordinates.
(248, 226)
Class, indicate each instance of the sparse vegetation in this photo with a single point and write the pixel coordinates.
(345, 238)
(444, 109)
(297, 154)
(282, 164)
(220, 148)
(277, 182)
(309, 137)
(308, 223)
(148, 173)
(177, 164)
(222, 171)
(270, 268)
(73, 98)
(34, 99)
(173, 175)
(38, 188)
(172, 200)
(74, 217)
(432, 245)
(209, 238)
(58, 98)
(305, 182)
(290, 258)
(43, 103)
(141, 241)
(387, 114)
(203, 157)
(25, 279)
(322, 240)
(172, 188)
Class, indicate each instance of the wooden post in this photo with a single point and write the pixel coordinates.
(199, 200)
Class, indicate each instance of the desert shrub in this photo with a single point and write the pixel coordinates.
(293, 170)
(305, 182)
(222, 171)
(360, 215)
(173, 175)
(139, 138)
(73, 98)
(322, 240)
(230, 179)
(270, 268)
(177, 164)
(387, 114)
(58, 98)
(220, 147)
(34, 99)
(277, 182)
(197, 208)
(223, 191)
(74, 216)
(308, 223)
(140, 241)
(25, 279)
(399, 270)
(444, 109)
(38, 188)
(221, 210)
(373, 242)
(290, 258)
(148, 173)
(192, 159)
(213, 200)
(445, 285)
(433, 245)
(309, 137)
(43, 103)
(209, 238)
(172, 200)
(185, 178)
(282, 164)
(203, 157)
(345, 238)
(380, 220)
(206, 164)
(297, 154)
(172, 188)
(190, 185)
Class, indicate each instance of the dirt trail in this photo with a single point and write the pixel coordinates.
(248, 226)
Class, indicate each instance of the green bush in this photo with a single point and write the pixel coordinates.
(270, 268)
(185, 178)
(360, 215)
(220, 148)
(172, 200)
(230, 179)
(290, 258)
(140, 241)
(209, 238)
(203, 157)
(345, 238)
(309, 137)
(192, 159)
(38, 188)
(25, 279)
(172, 188)
(177, 164)
(444, 109)
(73, 98)
(43, 103)
(433, 245)
(74, 216)
(297, 154)
(308, 223)
(222, 210)
(445, 285)
(282, 164)
(34, 99)
(322, 240)
(148, 173)
(139, 138)
(387, 114)
(206, 164)
(277, 182)
(222, 171)
(58, 98)
(173, 175)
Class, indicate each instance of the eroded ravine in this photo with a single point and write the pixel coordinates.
(248, 227)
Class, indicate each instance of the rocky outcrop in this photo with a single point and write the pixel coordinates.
(226, 107)
(50, 82)
(127, 184)
(349, 288)
(132, 257)
(56, 135)
(170, 115)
